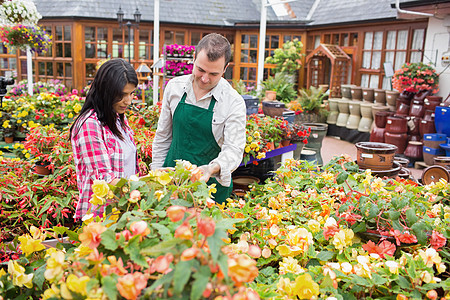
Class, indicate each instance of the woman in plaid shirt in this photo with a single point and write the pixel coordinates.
(102, 141)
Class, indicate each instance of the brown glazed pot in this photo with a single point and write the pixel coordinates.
(377, 134)
(356, 93)
(396, 124)
(375, 156)
(405, 95)
(413, 125)
(443, 161)
(414, 150)
(420, 96)
(368, 94)
(428, 115)
(402, 110)
(434, 174)
(431, 105)
(416, 109)
(398, 139)
(381, 118)
(426, 127)
(404, 162)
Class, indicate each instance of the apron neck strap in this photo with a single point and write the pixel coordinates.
(211, 104)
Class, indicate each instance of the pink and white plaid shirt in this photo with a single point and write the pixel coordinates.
(98, 156)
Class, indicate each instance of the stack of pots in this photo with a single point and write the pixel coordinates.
(334, 110)
(377, 133)
(431, 147)
(396, 132)
(365, 108)
(379, 157)
(317, 133)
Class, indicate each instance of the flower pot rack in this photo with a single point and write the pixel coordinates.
(317, 68)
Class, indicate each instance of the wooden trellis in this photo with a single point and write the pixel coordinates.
(328, 64)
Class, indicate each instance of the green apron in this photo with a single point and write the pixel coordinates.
(193, 140)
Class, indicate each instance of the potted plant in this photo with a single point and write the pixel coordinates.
(416, 77)
(288, 58)
(23, 37)
(311, 103)
(280, 86)
(8, 127)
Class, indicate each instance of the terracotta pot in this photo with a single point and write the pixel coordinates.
(416, 109)
(398, 139)
(242, 182)
(368, 94)
(356, 93)
(413, 125)
(285, 143)
(391, 172)
(380, 96)
(414, 151)
(271, 95)
(404, 162)
(404, 173)
(396, 124)
(391, 97)
(443, 161)
(375, 156)
(426, 127)
(377, 135)
(381, 118)
(41, 169)
(9, 139)
(434, 174)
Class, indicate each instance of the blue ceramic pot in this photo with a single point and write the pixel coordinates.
(441, 119)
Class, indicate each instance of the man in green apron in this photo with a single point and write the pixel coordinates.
(203, 118)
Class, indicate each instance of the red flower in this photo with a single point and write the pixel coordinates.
(437, 240)
(407, 238)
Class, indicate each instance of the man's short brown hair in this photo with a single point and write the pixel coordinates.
(215, 46)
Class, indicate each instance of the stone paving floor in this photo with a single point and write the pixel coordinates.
(332, 146)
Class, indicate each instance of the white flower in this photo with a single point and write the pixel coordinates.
(19, 11)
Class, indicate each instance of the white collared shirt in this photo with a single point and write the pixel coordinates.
(228, 125)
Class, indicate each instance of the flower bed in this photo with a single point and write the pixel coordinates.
(297, 236)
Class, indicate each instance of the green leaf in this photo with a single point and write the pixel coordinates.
(162, 230)
(411, 216)
(162, 281)
(420, 232)
(223, 265)
(215, 242)
(109, 285)
(377, 279)
(373, 211)
(397, 226)
(360, 227)
(341, 177)
(161, 248)
(109, 240)
(394, 215)
(181, 275)
(38, 278)
(200, 282)
(133, 250)
(325, 255)
(228, 223)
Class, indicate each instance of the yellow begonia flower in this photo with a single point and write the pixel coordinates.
(261, 155)
(256, 134)
(305, 287)
(249, 138)
(77, 285)
(96, 200)
(290, 265)
(343, 239)
(163, 178)
(29, 245)
(83, 250)
(212, 189)
(2, 272)
(65, 292)
(18, 273)
(51, 292)
(70, 115)
(247, 149)
(55, 265)
(100, 188)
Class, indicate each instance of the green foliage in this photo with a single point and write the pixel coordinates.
(288, 58)
(281, 84)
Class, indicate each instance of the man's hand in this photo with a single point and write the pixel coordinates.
(208, 171)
